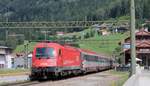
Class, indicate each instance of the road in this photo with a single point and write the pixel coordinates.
(144, 78)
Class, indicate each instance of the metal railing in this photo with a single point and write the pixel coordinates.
(58, 24)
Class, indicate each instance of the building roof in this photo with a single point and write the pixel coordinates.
(142, 32)
(5, 50)
(23, 55)
(143, 44)
(4, 47)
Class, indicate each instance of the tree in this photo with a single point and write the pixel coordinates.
(11, 42)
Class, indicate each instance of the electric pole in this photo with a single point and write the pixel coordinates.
(26, 43)
(6, 31)
(133, 43)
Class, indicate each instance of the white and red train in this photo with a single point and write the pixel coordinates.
(53, 59)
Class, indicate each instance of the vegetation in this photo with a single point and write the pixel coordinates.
(103, 44)
(63, 10)
(123, 77)
(60, 10)
(98, 43)
(21, 48)
(8, 72)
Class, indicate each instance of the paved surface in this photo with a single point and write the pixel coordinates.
(98, 79)
(9, 79)
(144, 78)
(141, 78)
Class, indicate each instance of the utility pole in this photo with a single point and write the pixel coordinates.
(133, 43)
(6, 31)
(26, 54)
(6, 35)
(46, 34)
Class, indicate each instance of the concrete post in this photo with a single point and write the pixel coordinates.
(132, 32)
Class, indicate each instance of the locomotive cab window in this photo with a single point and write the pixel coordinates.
(45, 52)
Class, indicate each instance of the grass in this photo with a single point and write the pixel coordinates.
(103, 44)
(123, 77)
(9, 72)
(21, 48)
(100, 44)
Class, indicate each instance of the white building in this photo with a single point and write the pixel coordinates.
(23, 61)
(6, 60)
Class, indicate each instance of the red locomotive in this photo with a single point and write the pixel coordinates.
(53, 59)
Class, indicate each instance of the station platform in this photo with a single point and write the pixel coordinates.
(141, 78)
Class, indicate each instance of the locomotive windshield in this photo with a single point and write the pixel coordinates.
(45, 52)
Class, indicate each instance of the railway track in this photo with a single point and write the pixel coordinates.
(52, 80)
(30, 83)
(91, 79)
(25, 83)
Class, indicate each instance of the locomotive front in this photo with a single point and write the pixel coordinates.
(45, 59)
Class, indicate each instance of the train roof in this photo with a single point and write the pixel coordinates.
(43, 44)
(46, 44)
(87, 51)
(93, 53)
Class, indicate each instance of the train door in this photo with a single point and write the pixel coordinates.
(60, 57)
(81, 59)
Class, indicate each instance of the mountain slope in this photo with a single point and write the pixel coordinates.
(60, 10)
(56, 10)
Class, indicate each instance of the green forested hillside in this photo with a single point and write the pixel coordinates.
(55, 10)
(60, 10)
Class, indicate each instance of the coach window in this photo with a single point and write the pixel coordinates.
(103, 61)
(96, 58)
(86, 57)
